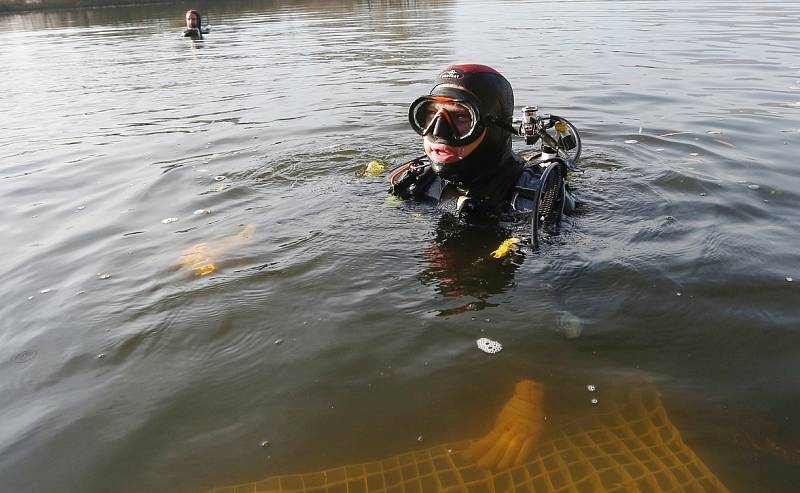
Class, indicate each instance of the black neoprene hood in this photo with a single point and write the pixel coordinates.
(482, 84)
(494, 97)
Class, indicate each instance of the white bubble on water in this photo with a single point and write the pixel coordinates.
(591, 388)
(631, 141)
(489, 346)
(45, 291)
(753, 187)
(200, 212)
(219, 178)
(169, 220)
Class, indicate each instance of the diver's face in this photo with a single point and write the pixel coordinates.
(445, 154)
(191, 20)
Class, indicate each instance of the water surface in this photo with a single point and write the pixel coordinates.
(345, 327)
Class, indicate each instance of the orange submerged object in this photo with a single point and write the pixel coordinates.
(201, 258)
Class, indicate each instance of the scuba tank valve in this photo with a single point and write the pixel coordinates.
(530, 120)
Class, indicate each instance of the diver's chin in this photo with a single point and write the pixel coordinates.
(444, 171)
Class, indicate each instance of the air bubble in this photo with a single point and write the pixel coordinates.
(489, 346)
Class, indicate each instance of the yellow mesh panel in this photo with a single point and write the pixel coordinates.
(627, 444)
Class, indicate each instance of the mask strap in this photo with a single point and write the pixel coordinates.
(492, 120)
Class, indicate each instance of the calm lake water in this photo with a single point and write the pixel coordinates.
(344, 327)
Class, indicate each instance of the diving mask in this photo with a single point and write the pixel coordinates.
(447, 120)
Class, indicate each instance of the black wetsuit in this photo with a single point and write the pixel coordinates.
(508, 194)
(193, 32)
(490, 181)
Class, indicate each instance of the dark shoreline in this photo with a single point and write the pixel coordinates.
(16, 6)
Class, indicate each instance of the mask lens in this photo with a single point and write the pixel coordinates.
(428, 111)
(460, 116)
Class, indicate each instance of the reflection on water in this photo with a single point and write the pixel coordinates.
(345, 327)
(626, 443)
(460, 263)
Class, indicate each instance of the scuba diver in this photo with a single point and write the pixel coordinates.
(470, 171)
(469, 167)
(194, 25)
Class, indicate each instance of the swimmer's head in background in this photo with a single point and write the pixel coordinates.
(193, 19)
(469, 103)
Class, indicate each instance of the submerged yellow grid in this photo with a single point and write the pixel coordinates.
(626, 446)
